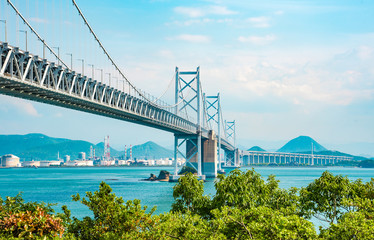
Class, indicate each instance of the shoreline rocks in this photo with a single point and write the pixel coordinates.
(163, 176)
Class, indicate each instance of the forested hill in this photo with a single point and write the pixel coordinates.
(302, 144)
(256, 149)
(41, 147)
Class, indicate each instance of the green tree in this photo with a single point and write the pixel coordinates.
(188, 196)
(353, 224)
(112, 218)
(261, 223)
(187, 225)
(324, 197)
(28, 220)
(248, 190)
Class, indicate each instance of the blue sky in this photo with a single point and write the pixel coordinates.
(284, 68)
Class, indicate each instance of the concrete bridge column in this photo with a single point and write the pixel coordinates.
(209, 159)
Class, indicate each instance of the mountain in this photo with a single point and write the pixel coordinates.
(256, 149)
(99, 150)
(49, 151)
(20, 143)
(41, 147)
(150, 150)
(302, 144)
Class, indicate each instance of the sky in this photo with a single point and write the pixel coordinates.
(284, 68)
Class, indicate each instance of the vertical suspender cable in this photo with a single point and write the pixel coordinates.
(33, 30)
(45, 25)
(106, 53)
(17, 27)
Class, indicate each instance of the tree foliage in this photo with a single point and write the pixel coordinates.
(248, 189)
(28, 220)
(112, 218)
(189, 196)
(324, 198)
(245, 206)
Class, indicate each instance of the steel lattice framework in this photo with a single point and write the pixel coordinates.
(27, 76)
(214, 115)
(230, 134)
(30, 77)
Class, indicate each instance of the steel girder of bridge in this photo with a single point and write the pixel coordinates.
(30, 77)
(27, 76)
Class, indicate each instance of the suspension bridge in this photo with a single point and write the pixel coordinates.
(39, 73)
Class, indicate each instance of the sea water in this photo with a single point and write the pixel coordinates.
(57, 185)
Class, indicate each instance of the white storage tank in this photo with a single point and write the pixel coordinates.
(10, 160)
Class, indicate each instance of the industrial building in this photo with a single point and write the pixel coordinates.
(10, 160)
(31, 164)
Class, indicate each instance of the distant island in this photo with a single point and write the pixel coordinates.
(257, 149)
(304, 144)
(36, 146)
(367, 164)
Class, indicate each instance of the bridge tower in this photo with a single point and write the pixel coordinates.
(231, 157)
(187, 103)
(214, 115)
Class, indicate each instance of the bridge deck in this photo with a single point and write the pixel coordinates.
(27, 76)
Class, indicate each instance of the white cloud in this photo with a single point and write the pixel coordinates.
(279, 12)
(20, 105)
(333, 80)
(259, 22)
(38, 20)
(196, 12)
(192, 38)
(220, 10)
(257, 40)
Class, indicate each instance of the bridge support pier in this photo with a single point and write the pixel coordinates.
(210, 156)
(232, 158)
(191, 155)
(209, 160)
(208, 153)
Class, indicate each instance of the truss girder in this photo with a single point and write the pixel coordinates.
(30, 77)
(26, 76)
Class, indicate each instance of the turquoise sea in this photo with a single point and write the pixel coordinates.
(56, 185)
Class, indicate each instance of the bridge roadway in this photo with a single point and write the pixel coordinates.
(30, 77)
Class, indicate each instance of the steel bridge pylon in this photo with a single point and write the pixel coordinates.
(214, 115)
(231, 157)
(185, 102)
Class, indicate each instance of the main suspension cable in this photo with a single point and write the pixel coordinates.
(34, 31)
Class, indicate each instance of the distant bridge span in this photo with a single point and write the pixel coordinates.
(257, 157)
